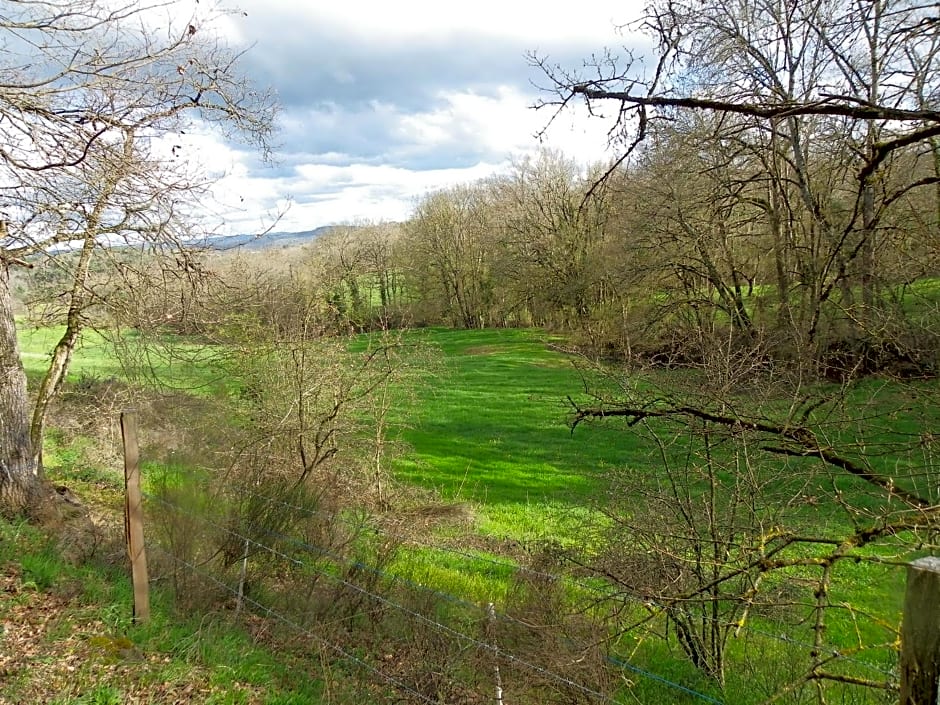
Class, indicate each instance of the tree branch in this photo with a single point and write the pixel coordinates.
(829, 106)
(807, 444)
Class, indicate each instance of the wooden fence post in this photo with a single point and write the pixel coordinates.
(491, 630)
(134, 516)
(920, 634)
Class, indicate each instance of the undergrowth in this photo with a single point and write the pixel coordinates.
(492, 452)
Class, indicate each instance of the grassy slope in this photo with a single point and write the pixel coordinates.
(68, 639)
(67, 636)
(178, 366)
(93, 355)
(490, 428)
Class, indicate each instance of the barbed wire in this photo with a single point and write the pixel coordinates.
(309, 548)
(443, 628)
(318, 550)
(612, 593)
(665, 681)
(271, 612)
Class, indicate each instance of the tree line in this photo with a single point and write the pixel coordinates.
(775, 175)
(709, 227)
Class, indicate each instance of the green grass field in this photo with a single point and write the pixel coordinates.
(176, 365)
(69, 640)
(93, 356)
(489, 427)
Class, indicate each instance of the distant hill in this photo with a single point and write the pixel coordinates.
(253, 242)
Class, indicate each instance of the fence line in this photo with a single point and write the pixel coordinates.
(391, 680)
(442, 628)
(501, 616)
(606, 592)
(653, 676)
(309, 548)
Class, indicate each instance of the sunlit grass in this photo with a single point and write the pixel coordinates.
(170, 651)
(474, 577)
(489, 427)
(93, 356)
(492, 428)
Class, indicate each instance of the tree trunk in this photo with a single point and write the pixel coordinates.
(875, 51)
(19, 476)
(78, 300)
(62, 355)
(781, 249)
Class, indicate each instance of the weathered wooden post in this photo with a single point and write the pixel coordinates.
(920, 634)
(134, 516)
(491, 630)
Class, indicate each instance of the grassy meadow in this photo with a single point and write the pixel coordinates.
(94, 356)
(69, 640)
(488, 429)
(491, 428)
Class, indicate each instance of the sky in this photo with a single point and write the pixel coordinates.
(382, 102)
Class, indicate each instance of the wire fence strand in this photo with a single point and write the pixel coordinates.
(434, 624)
(500, 653)
(605, 590)
(274, 614)
(479, 610)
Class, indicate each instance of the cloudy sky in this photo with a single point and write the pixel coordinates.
(384, 101)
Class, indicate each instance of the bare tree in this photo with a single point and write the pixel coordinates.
(88, 90)
(450, 237)
(827, 114)
(553, 238)
(356, 264)
(729, 526)
(828, 100)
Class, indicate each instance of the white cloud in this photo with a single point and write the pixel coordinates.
(322, 194)
(362, 139)
(326, 188)
(505, 124)
(528, 19)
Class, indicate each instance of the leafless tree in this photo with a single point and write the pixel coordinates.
(832, 103)
(90, 92)
(451, 239)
